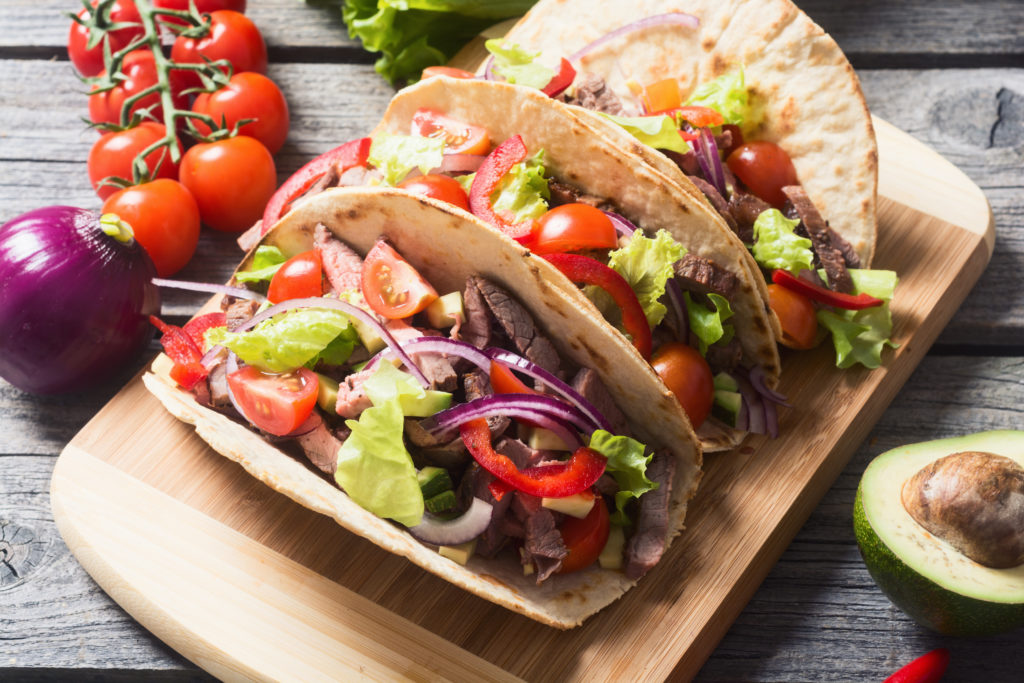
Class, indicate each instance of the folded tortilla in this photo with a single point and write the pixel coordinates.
(576, 152)
(423, 231)
(800, 81)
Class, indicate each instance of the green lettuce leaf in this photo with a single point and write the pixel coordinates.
(517, 65)
(628, 466)
(659, 132)
(727, 95)
(860, 336)
(776, 244)
(395, 155)
(265, 263)
(289, 340)
(646, 264)
(708, 323)
(523, 192)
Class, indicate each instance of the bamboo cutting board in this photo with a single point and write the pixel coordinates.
(248, 584)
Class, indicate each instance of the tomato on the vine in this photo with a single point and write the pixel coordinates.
(459, 137)
(231, 180)
(202, 6)
(165, 219)
(687, 375)
(139, 69)
(247, 95)
(391, 286)
(276, 403)
(90, 62)
(439, 187)
(573, 227)
(585, 538)
(232, 36)
(765, 168)
(299, 277)
(113, 155)
(796, 314)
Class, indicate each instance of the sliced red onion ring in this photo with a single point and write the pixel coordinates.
(439, 345)
(524, 406)
(623, 226)
(465, 528)
(462, 163)
(710, 164)
(678, 303)
(239, 292)
(230, 367)
(752, 406)
(679, 18)
(757, 379)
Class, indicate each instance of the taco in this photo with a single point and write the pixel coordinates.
(449, 405)
(660, 267)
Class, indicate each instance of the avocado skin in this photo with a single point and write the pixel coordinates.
(927, 603)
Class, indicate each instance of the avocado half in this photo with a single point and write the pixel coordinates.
(929, 579)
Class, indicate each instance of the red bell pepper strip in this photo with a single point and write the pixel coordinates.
(568, 478)
(822, 295)
(699, 117)
(561, 80)
(349, 155)
(197, 327)
(928, 668)
(504, 381)
(590, 271)
(179, 347)
(499, 162)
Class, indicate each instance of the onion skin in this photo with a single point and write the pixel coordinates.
(74, 300)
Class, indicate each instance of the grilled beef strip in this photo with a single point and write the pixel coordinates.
(475, 384)
(832, 259)
(745, 208)
(517, 324)
(342, 266)
(564, 193)
(543, 544)
(591, 92)
(590, 387)
(646, 545)
(321, 446)
(240, 311)
(703, 276)
(717, 201)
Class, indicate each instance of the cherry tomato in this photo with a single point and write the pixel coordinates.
(231, 180)
(90, 62)
(247, 96)
(298, 277)
(449, 71)
(391, 286)
(585, 538)
(139, 69)
(687, 375)
(233, 36)
(165, 219)
(573, 227)
(459, 137)
(202, 6)
(796, 314)
(277, 404)
(113, 155)
(439, 187)
(765, 169)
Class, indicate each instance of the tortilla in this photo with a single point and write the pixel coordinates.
(577, 153)
(423, 230)
(808, 93)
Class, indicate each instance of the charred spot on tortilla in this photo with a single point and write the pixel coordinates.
(707, 44)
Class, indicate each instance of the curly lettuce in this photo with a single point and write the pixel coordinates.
(777, 246)
(861, 336)
(523, 192)
(646, 264)
(396, 155)
(517, 65)
(628, 466)
(659, 132)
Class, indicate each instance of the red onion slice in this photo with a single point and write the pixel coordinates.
(465, 528)
(678, 18)
(438, 345)
(751, 407)
(523, 406)
(757, 379)
(710, 164)
(462, 163)
(678, 304)
(238, 292)
(623, 226)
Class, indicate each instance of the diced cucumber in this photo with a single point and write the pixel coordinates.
(578, 505)
(726, 382)
(327, 393)
(433, 480)
(726, 406)
(433, 402)
(443, 311)
(611, 554)
(545, 440)
(458, 553)
(441, 503)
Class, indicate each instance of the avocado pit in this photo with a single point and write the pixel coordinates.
(973, 500)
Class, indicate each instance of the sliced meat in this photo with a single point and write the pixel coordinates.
(591, 92)
(687, 162)
(717, 201)
(564, 193)
(240, 311)
(477, 384)
(321, 447)
(542, 545)
(352, 398)
(725, 356)
(518, 325)
(745, 208)
(590, 387)
(647, 543)
(832, 259)
(845, 248)
(251, 237)
(429, 450)
(703, 276)
(476, 328)
(437, 368)
(474, 484)
(217, 381)
(342, 266)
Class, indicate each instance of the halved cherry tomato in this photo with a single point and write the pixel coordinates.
(183, 351)
(299, 277)
(573, 227)
(765, 168)
(585, 538)
(391, 286)
(439, 187)
(277, 404)
(796, 314)
(687, 375)
(459, 137)
(662, 95)
(561, 80)
(504, 381)
(197, 327)
(449, 71)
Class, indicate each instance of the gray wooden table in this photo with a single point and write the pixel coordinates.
(949, 72)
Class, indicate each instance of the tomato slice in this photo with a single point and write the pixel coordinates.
(391, 286)
(459, 137)
(298, 277)
(485, 182)
(687, 375)
(796, 314)
(585, 538)
(662, 95)
(765, 168)
(561, 80)
(449, 71)
(276, 403)
(179, 347)
(197, 327)
(439, 187)
(573, 227)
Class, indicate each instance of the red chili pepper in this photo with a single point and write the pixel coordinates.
(928, 668)
(353, 153)
(568, 478)
(180, 348)
(561, 80)
(501, 159)
(822, 295)
(197, 327)
(589, 271)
